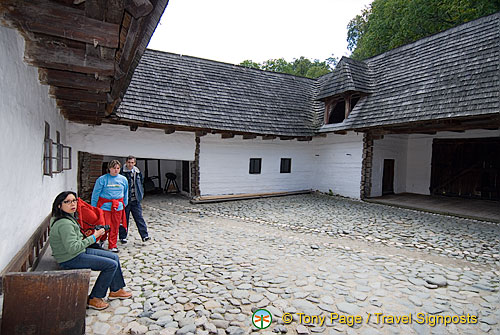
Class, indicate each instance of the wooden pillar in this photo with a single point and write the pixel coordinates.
(195, 170)
(89, 169)
(347, 99)
(366, 166)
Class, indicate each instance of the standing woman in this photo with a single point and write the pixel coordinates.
(69, 248)
(111, 194)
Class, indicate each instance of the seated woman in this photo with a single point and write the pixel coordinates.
(69, 248)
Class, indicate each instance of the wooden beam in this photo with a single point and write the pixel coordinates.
(249, 137)
(340, 132)
(304, 138)
(347, 99)
(51, 18)
(200, 133)
(80, 105)
(63, 58)
(138, 8)
(286, 138)
(94, 9)
(73, 80)
(268, 137)
(169, 130)
(76, 95)
(114, 13)
(127, 56)
(227, 135)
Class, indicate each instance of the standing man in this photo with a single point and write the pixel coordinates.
(135, 194)
(111, 194)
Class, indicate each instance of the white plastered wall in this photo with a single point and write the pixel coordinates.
(224, 165)
(118, 140)
(419, 157)
(331, 163)
(25, 106)
(413, 158)
(337, 160)
(390, 147)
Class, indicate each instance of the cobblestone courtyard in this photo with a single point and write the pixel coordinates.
(210, 266)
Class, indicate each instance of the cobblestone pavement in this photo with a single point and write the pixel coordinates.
(210, 266)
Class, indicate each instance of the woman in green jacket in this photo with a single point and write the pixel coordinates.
(69, 248)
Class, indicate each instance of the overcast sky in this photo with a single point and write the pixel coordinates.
(235, 30)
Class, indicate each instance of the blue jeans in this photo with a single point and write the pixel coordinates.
(136, 209)
(108, 263)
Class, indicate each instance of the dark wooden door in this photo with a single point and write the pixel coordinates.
(468, 167)
(185, 176)
(388, 177)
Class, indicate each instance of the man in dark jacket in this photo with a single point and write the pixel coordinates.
(135, 195)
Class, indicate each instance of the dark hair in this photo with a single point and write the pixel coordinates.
(57, 212)
(131, 157)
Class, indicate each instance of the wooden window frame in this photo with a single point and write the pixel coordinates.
(286, 165)
(66, 157)
(255, 166)
(47, 152)
(56, 156)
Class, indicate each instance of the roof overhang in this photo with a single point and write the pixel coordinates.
(85, 50)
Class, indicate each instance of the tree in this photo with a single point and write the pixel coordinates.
(388, 24)
(299, 66)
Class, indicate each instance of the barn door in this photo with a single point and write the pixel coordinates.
(388, 177)
(468, 167)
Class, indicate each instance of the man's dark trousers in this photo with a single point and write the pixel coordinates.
(136, 209)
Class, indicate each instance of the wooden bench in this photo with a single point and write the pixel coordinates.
(38, 297)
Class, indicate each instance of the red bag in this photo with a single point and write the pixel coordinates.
(89, 217)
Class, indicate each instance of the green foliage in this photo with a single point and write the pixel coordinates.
(250, 64)
(388, 24)
(299, 67)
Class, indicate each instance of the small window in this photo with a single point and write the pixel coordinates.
(286, 165)
(56, 156)
(337, 112)
(255, 165)
(66, 157)
(57, 160)
(47, 152)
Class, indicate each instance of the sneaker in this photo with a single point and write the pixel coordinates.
(123, 241)
(145, 239)
(120, 294)
(113, 249)
(97, 303)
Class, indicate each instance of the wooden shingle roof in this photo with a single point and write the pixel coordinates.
(452, 75)
(176, 90)
(348, 75)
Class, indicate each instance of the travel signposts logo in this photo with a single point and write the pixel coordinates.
(262, 319)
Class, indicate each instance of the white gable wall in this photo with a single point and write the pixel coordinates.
(24, 107)
(337, 160)
(224, 165)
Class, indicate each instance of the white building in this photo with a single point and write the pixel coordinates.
(423, 118)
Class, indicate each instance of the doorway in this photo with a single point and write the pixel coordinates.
(388, 177)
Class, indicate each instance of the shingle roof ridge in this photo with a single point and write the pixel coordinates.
(230, 64)
(449, 31)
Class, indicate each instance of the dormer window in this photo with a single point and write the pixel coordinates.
(338, 109)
